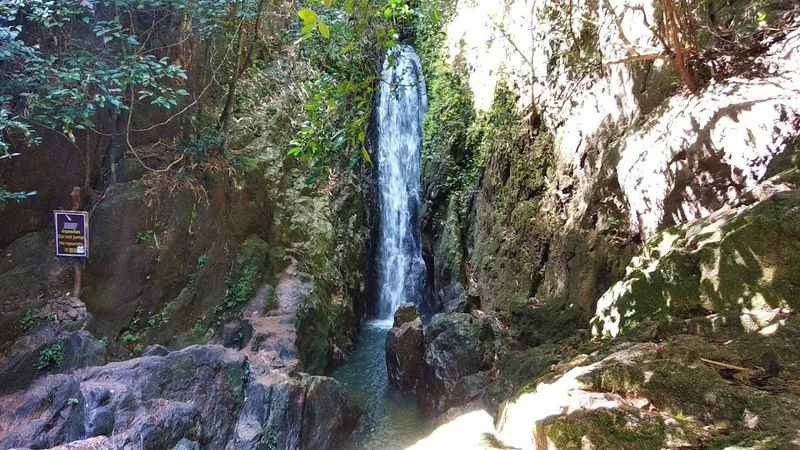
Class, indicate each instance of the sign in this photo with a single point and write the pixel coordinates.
(72, 233)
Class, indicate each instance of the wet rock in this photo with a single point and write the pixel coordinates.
(405, 349)
(152, 401)
(406, 312)
(44, 415)
(459, 348)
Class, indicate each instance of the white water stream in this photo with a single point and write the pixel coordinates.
(401, 108)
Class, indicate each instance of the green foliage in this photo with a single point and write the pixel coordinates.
(269, 440)
(241, 283)
(207, 142)
(238, 291)
(102, 64)
(342, 40)
(72, 401)
(5, 195)
(28, 319)
(132, 341)
(79, 66)
(50, 356)
(144, 236)
(131, 337)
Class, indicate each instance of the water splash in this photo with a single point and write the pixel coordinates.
(401, 109)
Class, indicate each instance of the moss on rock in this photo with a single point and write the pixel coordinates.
(728, 263)
(607, 428)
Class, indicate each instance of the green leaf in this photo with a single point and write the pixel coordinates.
(308, 16)
(324, 30)
(365, 155)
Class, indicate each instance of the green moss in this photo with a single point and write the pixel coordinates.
(694, 391)
(535, 325)
(517, 371)
(617, 377)
(237, 377)
(753, 440)
(321, 324)
(720, 265)
(607, 429)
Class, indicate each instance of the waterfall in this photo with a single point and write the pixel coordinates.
(401, 108)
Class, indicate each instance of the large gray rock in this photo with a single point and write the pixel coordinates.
(738, 261)
(201, 394)
(55, 343)
(295, 412)
(459, 350)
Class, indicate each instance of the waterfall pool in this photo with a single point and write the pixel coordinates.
(389, 421)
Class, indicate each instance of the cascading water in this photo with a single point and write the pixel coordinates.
(390, 422)
(402, 106)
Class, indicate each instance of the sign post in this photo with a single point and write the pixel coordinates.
(72, 236)
(72, 233)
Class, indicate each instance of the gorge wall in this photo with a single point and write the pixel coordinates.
(556, 177)
(590, 192)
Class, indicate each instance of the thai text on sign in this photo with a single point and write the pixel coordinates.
(72, 233)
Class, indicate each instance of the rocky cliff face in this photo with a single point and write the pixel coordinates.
(604, 153)
(589, 156)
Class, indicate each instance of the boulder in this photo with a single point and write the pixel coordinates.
(198, 397)
(305, 412)
(727, 263)
(149, 402)
(55, 343)
(459, 350)
(405, 349)
(329, 415)
(406, 312)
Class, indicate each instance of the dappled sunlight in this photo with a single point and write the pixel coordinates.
(728, 263)
(466, 431)
(685, 154)
(520, 423)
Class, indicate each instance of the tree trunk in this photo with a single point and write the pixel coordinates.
(242, 63)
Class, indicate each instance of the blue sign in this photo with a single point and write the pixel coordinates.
(72, 233)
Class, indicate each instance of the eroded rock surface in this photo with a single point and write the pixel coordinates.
(459, 350)
(55, 342)
(405, 348)
(740, 260)
(205, 394)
